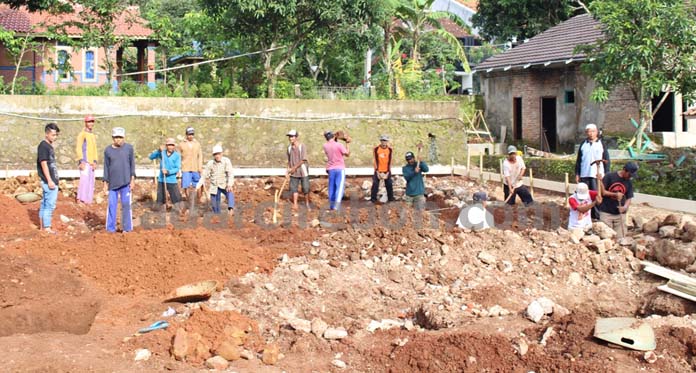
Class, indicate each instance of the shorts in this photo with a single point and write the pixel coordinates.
(189, 179)
(295, 182)
(416, 201)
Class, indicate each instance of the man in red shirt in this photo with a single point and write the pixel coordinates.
(382, 155)
(581, 203)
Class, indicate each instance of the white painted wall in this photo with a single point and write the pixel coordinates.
(454, 7)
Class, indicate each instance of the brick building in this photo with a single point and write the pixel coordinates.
(86, 65)
(537, 93)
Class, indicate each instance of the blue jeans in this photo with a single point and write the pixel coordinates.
(48, 205)
(216, 197)
(126, 216)
(337, 183)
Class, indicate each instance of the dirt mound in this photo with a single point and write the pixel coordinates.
(38, 298)
(14, 218)
(155, 262)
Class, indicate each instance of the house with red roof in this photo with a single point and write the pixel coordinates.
(87, 65)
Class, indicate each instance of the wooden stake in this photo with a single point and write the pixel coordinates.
(481, 167)
(501, 169)
(468, 164)
(567, 188)
(531, 182)
(452, 167)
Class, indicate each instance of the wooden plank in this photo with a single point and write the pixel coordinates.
(668, 273)
(676, 292)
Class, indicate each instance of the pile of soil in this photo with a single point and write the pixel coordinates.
(14, 219)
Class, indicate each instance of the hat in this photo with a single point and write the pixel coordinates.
(409, 156)
(292, 133)
(582, 191)
(479, 197)
(383, 137)
(631, 168)
(89, 118)
(118, 132)
(170, 141)
(329, 135)
(511, 149)
(591, 126)
(217, 149)
(190, 131)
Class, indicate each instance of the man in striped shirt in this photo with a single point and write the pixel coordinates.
(217, 173)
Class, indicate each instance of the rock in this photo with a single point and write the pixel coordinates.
(247, 355)
(180, 345)
(366, 185)
(560, 311)
(689, 232)
(408, 325)
(339, 364)
(318, 327)
(535, 311)
(650, 357)
(521, 346)
(626, 241)
(444, 249)
(603, 230)
(547, 334)
(217, 363)
(229, 351)
(591, 239)
(300, 325)
(311, 274)
(668, 231)
(546, 304)
(65, 219)
(638, 221)
(652, 225)
(142, 354)
(486, 257)
(669, 254)
(605, 245)
(335, 333)
(671, 219)
(642, 252)
(574, 279)
(270, 354)
(315, 223)
(316, 243)
(505, 266)
(576, 235)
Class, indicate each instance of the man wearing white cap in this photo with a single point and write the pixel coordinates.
(170, 165)
(298, 170)
(513, 172)
(382, 161)
(593, 159)
(218, 174)
(581, 202)
(191, 162)
(119, 179)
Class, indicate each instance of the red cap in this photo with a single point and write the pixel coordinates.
(89, 118)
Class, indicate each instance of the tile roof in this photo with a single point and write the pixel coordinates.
(129, 23)
(453, 28)
(553, 45)
(471, 4)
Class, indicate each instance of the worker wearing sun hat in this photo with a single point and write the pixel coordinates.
(86, 151)
(513, 172)
(581, 203)
(218, 174)
(170, 165)
(191, 162)
(119, 179)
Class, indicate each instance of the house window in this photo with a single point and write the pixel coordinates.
(63, 68)
(569, 97)
(90, 73)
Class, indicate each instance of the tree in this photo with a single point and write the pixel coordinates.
(505, 19)
(649, 46)
(34, 5)
(287, 24)
(17, 47)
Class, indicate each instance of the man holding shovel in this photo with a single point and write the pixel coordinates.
(382, 159)
(618, 189)
(170, 165)
(298, 171)
(415, 186)
(513, 172)
(218, 174)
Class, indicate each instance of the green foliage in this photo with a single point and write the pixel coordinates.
(205, 90)
(308, 87)
(237, 92)
(103, 90)
(129, 88)
(284, 89)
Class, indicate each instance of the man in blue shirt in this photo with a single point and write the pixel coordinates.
(119, 179)
(415, 187)
(170, 165)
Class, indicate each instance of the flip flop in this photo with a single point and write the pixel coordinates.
(157, 325)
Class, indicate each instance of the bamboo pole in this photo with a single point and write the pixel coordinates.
(567, 187)
(468, 164)
(531, 182)
(452, 167)
(481, 167)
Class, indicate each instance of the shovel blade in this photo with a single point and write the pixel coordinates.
(627, 332)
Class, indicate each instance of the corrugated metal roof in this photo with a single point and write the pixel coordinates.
(553, 45)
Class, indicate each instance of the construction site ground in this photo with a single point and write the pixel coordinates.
(398, 292)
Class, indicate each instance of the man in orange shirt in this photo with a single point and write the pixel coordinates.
(382, 155)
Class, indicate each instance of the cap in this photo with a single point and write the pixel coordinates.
(217, 149)
(328, 135)
(118, 132)
(89, 118)
(292, 133)
(383, 137)
(511, 149)
(591, 126)
(170, 141)
(583, 191)
(190, 131)
(409, 156)
(479, 197)
(631, 168)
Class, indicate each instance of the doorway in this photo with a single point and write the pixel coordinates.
(517, 118)
(663, 121)
(549, 133)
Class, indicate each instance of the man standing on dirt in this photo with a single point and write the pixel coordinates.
(513, 172)
(170, 164)
(48, 173)
(86, 151)
(382, 160)
(336, 167)
(618, 189)
(191, 163)
(218, 174)
(591, 160)
(298, 171)
(581, 202)
(415, 187)
(119, 180)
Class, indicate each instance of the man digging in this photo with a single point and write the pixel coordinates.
(298, 171)
(513, 172)
(618, 189)
(170, 164)
(218, 174)
(415, 186)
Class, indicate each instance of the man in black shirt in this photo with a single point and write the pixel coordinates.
(48, 173)
(618, 189)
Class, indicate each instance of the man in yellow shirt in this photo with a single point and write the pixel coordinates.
(86, 151)
(191, 163)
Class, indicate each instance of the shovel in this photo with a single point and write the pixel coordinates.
(153, 193)
(627, 332)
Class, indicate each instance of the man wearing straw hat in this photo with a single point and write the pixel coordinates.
(298, 171)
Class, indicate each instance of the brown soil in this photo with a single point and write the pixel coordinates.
(14, 219)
